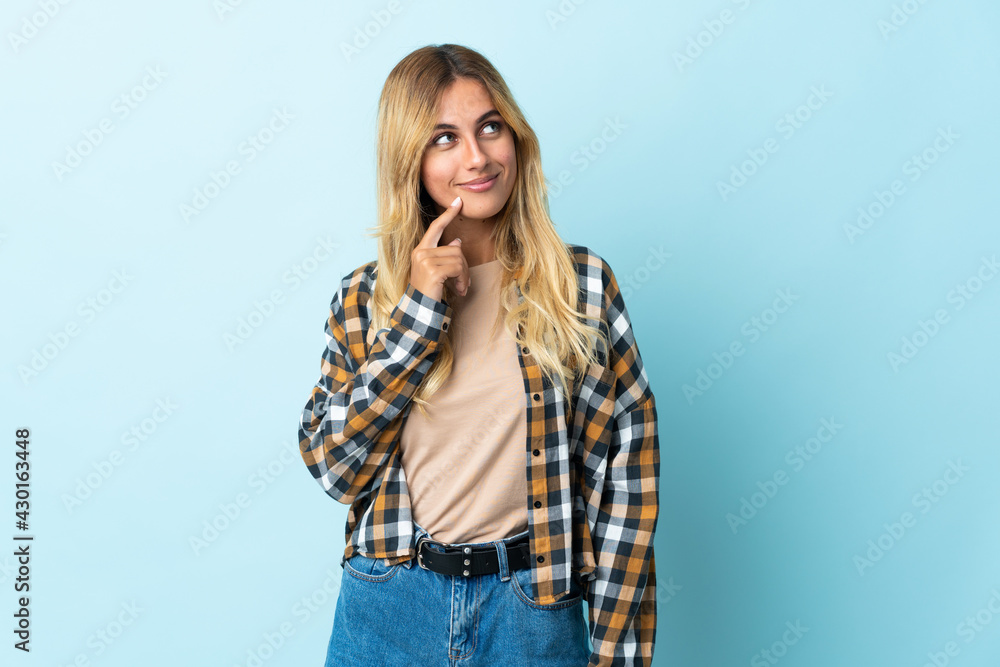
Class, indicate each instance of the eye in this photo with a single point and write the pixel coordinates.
(440, 136)
(437, 140)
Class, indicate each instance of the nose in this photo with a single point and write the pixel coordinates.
(474, 155)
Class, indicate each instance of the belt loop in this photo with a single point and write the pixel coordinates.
(502, 554)
(418, 533)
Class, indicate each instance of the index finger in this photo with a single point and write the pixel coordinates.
(434, 231)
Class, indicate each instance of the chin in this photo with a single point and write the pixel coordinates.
(479, 211)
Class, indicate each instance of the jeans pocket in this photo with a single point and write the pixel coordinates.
(521, 584)
(374, 570)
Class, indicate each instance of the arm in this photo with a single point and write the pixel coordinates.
(622, 597)
(353, 402)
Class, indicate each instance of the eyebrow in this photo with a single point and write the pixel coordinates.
(446, 126)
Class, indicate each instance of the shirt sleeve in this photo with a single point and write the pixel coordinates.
(622, 596)
(356, 399)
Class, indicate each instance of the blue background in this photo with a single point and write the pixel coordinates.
(698, 264)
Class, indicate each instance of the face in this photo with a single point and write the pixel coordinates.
(470, 143)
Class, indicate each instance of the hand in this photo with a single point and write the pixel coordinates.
(431, 265)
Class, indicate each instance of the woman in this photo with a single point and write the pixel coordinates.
(527, 480)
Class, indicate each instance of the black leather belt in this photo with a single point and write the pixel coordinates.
(470, 561)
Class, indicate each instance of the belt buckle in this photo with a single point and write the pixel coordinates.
(420, 560)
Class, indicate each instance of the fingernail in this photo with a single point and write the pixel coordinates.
(457, 199)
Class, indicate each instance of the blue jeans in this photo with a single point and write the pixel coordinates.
(405, 616)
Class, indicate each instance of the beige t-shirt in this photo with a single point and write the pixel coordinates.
(465, 462)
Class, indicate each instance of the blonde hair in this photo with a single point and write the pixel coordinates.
(531, 253)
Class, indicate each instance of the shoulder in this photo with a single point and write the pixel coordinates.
(597, 280)
(583, 255)
(589, 262)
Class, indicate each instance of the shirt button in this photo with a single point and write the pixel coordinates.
(445, 326)
(540, 559)
(536, 452)
(538, 503)
(537, 397)
(525, 350)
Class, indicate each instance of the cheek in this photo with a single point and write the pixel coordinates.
(508, 157)
(433, 176)
(510, 165)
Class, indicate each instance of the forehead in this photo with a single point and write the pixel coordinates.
(464, 100)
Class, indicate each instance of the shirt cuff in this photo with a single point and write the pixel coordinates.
(422, 314)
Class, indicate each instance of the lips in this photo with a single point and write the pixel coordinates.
(480, 181)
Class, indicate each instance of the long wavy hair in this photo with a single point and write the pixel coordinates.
(532, 255)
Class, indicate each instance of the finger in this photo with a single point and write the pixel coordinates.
(457, 270)
(457, 278)
(432, 236)
(463, 281)
(449, 269)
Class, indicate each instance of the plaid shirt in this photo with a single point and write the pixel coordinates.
(592, 464)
